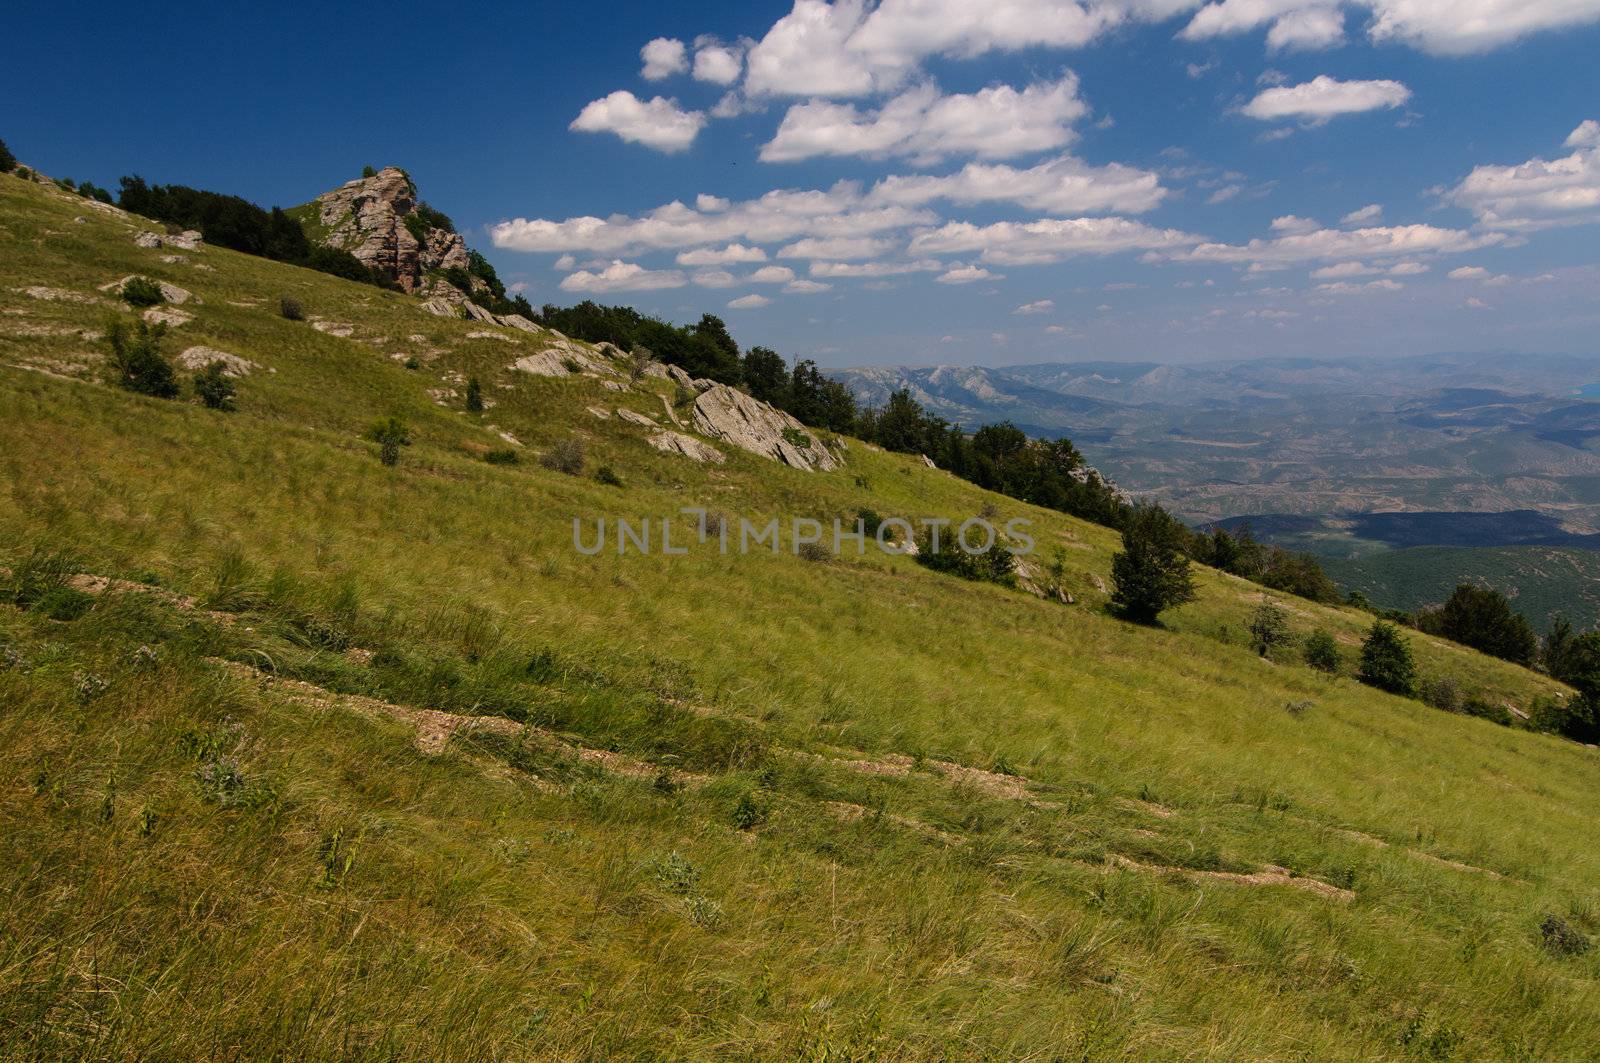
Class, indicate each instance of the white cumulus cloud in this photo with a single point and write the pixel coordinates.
(1046, 240)
(1324, 97)
(1335, 245)
(995, 122)
(1039, 306)
(1308, 29)
(749, 302)
(965, 275)
(1365, 216)
(1062, 185)
(658, 123)
(622, 277)
(772, 275)
(836, 247)
(1538, 194)
(714, 256)
(718, 63)
(663, 57)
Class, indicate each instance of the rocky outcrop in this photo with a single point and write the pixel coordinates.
(197, 358)
(670, 442)
(730, 415)
(188, 240)
(367, 217)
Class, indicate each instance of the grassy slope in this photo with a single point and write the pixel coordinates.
(503, 902)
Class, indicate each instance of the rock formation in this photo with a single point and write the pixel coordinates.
(367, 217)
(730, 415)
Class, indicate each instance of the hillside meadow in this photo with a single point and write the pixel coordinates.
(307, 757)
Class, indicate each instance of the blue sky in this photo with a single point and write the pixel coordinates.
(911, 181)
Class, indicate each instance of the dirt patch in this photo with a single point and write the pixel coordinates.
(1378, 843)
(848, 812)
(1270, 875)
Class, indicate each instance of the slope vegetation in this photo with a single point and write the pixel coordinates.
(308, 757)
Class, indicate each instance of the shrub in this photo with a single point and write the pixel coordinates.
(8, 161)
(995, 565)
(1321, 652)
(390, 433)
(1441, 693)
(1486, 710)
(35, 576)
(63, 603)
(749, 812)
(796, 438)
(142, 291)
(572, 365)
(474, 395)
(502, 457)
(812, 552)
(1386, 661)
(566, 456)
(367, 171)
(608, 476)
(136, 357)
(290, 310)
(1561, 938)
(1151, 573)
(214, 388)
(1269, 629)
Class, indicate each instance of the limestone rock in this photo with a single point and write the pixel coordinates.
(188, 240)
(670, 442)
(485, 335)
(639, 419)
(197, 358)
(333, 328)
(161, 315)
(600, 412)
(730, 415)
(56, 295)
(439, 307)
(367, 217)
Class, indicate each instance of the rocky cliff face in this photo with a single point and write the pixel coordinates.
(367, 217)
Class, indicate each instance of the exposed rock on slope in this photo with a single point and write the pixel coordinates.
(367, 217)
(729, 414)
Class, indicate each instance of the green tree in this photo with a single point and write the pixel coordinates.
(1151, 573)
(8, 161)
(214, 388)
(1269, 628)
(766, 376)
(136, 357)
(474, 395)
(1321, 652)
(1386, 661)
(1483, 619)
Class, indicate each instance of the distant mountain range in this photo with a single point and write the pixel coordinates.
(1302, 436)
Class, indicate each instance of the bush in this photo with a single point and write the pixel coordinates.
(608, 476)
(214, 388)
(390, 433)
(63, 603)
(502, 457)
(1321, 652)
(995, 565)
(290, 310)
(566, 456)
(1151, 573)
(1561, 938)
(474, 396)
(142, 291)
(8, 161)
(1386, 661)
(1269, 629)
(1442, 693)
(136, 357)
(1484, 710)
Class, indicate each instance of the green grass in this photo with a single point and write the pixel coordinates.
(350, 897)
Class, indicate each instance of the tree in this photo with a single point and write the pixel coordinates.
(1575, 661)
(1386, 661)
(8, 161)
(474, 395)
(136, 357)
(1151, 573)
(1321, 652)
(766, 376)
(214, 388)
(1269, 628)
(1483, 619)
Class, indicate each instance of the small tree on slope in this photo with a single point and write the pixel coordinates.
(1152, 572)
(1386, 661)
